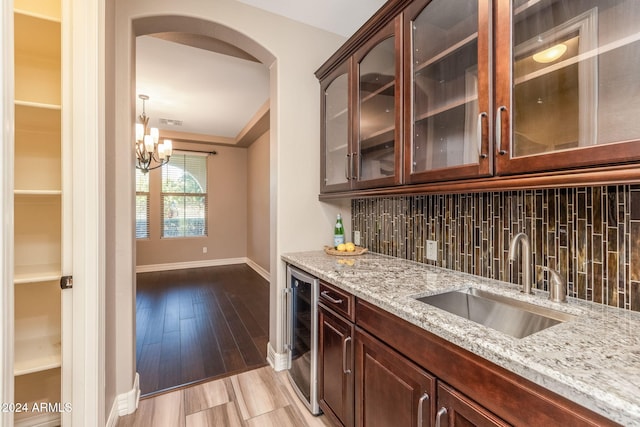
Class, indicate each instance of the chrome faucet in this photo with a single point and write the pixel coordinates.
(525, 256)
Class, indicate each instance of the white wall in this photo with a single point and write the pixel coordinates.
(298, 220)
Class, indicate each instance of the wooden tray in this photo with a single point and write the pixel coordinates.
(332, 251)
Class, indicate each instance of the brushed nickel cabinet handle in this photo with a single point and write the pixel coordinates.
(424, 397)
(347, 167)
(344, 356)
(499, 130)
(481, 155)
(441, 412)
(326, 295)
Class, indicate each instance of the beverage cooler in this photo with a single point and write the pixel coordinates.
(302, 335)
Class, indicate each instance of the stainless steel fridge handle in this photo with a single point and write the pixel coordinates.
(288, 345)
(344, 356)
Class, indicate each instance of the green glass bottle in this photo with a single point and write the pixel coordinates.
(338, 232)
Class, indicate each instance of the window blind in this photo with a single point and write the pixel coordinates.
(142, 205)
(184, 196)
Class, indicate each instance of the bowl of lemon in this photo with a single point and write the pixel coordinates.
(345, 249)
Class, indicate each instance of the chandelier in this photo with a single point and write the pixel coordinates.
(150, 153)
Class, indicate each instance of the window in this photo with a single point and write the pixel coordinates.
(184, 196)
(142, 205)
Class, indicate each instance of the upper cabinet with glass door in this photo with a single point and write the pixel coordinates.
(336, 166)
(572, 95)
(376, 157)
(447, 76)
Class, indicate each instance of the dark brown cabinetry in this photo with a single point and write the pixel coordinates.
(489, 96)
(390, 389)
(475, 389)
(361, 115)
(567, 96)
(376, 369)
(456, 410)
(336, 355)
(447, 74)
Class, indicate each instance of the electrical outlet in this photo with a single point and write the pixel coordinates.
(356, 237)
(204, 249)
(432, 250)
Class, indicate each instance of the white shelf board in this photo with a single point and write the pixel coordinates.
(36, 273)
(37, 354)
(18, 192)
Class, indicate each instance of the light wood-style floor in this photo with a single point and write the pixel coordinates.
(257, 398)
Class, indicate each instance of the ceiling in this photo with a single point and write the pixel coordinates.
(218, 94)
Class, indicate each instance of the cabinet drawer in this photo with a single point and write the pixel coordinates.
(337, 300)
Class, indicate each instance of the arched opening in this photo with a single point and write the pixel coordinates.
(208, 35)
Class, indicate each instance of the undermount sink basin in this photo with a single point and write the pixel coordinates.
(510, 316)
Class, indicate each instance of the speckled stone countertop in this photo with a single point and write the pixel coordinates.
(593, 360)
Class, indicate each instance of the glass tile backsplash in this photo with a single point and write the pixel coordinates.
(590, 235)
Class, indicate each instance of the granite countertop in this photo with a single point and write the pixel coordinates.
(593, 359)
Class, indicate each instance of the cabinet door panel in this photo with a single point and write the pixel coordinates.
(336, 141)
(335, 365)
(378, 110)
(390, 389)
(569, 94)
(456, 410)
(446, 50)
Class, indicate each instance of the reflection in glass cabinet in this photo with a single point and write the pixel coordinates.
(576, 74)
(376, 98)
(337, 130)
(444, 65)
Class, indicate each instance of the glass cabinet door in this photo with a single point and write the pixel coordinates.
(377, 158)
(573, 95)
(336, 154)
(447, 69)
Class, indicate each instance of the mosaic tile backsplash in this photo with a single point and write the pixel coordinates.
(590, 235)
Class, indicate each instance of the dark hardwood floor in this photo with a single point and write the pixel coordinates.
(198, 324)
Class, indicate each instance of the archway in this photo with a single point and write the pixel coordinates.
(203, 31)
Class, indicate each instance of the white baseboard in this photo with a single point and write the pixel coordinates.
(204, 263)
(125, 403)
(128, 402)
(261, 271)
(278, 361)
(190, 264)
(112, 421)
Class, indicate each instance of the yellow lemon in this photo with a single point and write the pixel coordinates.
(350, 247)
(342, 247)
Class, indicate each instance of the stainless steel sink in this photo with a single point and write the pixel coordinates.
(513, 317)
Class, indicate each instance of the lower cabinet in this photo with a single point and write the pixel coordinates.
(390, 389)
(335, 367)
(376, 369)
(457, 410)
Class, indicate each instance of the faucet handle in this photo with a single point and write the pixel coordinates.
(557, 285)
